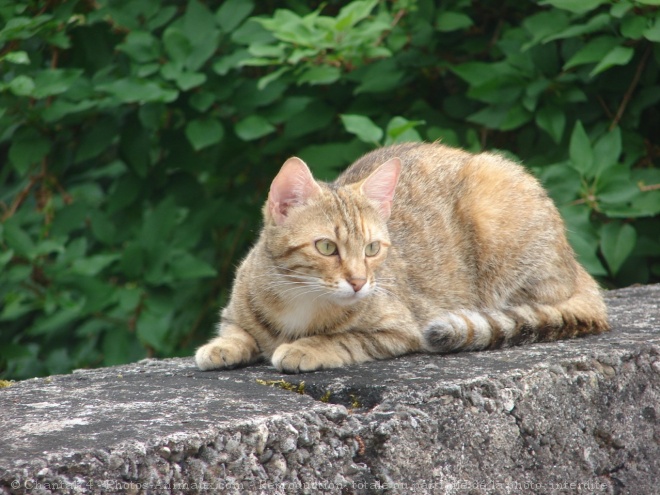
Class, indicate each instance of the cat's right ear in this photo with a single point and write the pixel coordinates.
(293, 186)
(379, 186)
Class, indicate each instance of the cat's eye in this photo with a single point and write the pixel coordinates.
(372, 248)
(326, 247)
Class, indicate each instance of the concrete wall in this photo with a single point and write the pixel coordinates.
(577, 416)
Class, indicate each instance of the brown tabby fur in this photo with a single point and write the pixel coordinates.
(473, 256)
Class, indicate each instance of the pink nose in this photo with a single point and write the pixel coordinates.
(357, 283)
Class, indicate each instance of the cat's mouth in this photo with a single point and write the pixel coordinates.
(347, 296)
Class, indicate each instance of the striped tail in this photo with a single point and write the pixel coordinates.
(470, 330)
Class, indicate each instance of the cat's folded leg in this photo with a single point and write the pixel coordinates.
(234, 347)
(352, 347)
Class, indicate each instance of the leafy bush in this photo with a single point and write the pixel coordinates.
(138, 139)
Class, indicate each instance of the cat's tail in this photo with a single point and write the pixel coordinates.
(582, 314)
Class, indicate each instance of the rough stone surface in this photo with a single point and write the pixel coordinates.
(577, 416)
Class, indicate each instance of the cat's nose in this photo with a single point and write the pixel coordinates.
(357, 283)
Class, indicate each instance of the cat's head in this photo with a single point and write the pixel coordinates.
(327, 241)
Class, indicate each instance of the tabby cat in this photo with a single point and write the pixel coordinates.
(415, 247)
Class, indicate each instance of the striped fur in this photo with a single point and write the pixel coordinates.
(472, 256)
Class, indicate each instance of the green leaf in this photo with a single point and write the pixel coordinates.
(653, 33)
(223, 65)
(253, 127)
(96, 139)
(132, 260)
(202, 133)
(58, 361)
(620, 9)
(353, 13)
(141, 46)
(287, 108)
(553, 121)
(232, 12)
(6, 257)
(185, 266)
(595, 24)
(317, 115)
(17, 239)
(503, 117)
(582, 237)
(161, 15)
(453, 21)
(647, 203)
(154, 322)
(21, 85)
(268, 50)
(54, 81)
(543, 25)
(202, 50)
(607, 150)
(616, 243)
(102, 228)
(378, 77)
(134, 146)
(158, 225)
(18, 57)
(580, 151)
(576, 6)
(363, 127)
(134, 90)
(120, 347)
(329, 158)
(401, 130)
(474, 73)
(93, 265)
(619, 55)
(15, 306)
(188, 80)
(323, 74)
(592, 52)
(586, 254)
(62, 317)
(616, 187)
(202, 101)
(48, 246)
(177, 45)
(634, 27)
(198, 22)
(27, 148)
(61, 108)
(561, 181)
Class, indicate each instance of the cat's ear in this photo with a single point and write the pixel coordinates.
(293, 186)
(379, 186)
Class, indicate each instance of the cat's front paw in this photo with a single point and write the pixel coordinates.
(299, 358)
(221, 354)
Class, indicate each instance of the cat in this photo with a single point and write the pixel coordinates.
(416, 247)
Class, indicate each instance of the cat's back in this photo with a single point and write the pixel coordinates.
(434, 176)
(421, 162)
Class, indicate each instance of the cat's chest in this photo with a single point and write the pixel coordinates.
(295, 321)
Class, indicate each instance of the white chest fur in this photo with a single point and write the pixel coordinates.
(295, 320)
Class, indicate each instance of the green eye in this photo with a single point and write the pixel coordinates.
(326, 247)
(372, 249)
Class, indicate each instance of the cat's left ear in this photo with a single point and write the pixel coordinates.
(293, 186)
(380, 185)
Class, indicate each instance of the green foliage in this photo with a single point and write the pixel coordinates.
(138, 140)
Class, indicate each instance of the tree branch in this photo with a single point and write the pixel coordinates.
(631, 88)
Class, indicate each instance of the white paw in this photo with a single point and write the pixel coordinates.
(220, 354)
(299, 358)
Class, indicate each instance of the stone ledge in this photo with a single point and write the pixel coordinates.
(578, 416)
